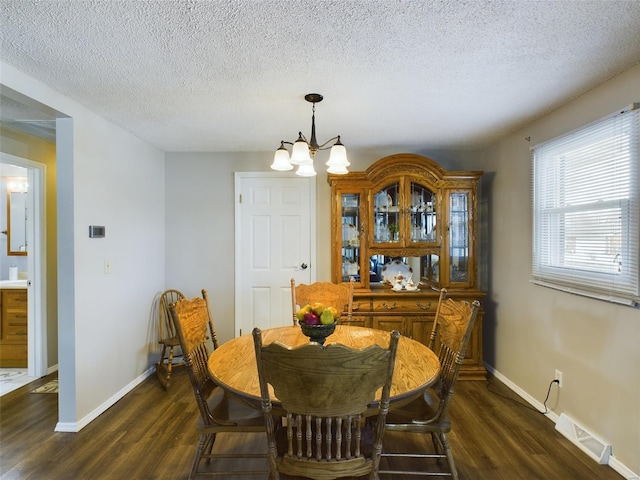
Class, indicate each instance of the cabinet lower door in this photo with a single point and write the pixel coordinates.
(389, 323)
(419, 328)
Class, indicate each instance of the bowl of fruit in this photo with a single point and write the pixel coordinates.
(317, 321)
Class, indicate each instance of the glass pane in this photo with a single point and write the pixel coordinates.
(459, 237)
(386, 215)
(429, 269)
(423, 215)
(382, 268)
(350, 236)
(376, 262)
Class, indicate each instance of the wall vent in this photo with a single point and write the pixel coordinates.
(587, 442)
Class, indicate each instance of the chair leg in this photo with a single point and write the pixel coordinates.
(442, 437)
(436, 442)
(169, 366)
(208, 447)
(202, 445)
(438, 448)
(271, 458)
(164, 369)
(274, 475)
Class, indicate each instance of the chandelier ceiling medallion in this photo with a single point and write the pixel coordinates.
(303, 151)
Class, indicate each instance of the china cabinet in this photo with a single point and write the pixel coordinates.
(403, 229)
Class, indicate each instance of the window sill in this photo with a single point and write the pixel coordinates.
(598, 296)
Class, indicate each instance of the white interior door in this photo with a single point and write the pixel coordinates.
(275, 241)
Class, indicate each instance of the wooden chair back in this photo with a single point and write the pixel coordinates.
(212, 329)
(170, 354)
(192, 319)
(338, 295)
(449, 339)
(166, 328)
(324, 392)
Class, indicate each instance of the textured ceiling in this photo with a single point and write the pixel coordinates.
(231, 75)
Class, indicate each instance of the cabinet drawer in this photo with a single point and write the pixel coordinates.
(14, 333)
(357, 322)
(405, 305)
(15, 317)
(361, 305)
(16, 299)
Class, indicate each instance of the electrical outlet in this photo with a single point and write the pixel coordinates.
(107, 266)
(559, 378)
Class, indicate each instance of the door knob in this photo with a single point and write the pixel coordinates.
(303, 266)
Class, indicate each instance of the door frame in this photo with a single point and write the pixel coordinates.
(36, 264)
(238, 178)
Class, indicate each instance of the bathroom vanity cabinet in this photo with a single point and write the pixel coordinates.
(13, 327)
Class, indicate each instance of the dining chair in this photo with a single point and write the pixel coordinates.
(429, 413)
(219, 412)
(323, 393)
(212, 329)
(338, 295)
(167, 337)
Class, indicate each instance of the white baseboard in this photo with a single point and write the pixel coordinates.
(538, 405)
(77, 426)
(614, 463)
(53, 368)
(622, 469)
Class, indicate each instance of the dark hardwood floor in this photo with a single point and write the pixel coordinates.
(150, 435)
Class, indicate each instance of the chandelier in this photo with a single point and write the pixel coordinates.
(303, 151)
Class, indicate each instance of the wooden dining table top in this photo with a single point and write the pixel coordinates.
(232, 365)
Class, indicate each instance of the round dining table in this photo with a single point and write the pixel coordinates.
(233, 367)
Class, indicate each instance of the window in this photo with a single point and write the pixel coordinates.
(586, 213)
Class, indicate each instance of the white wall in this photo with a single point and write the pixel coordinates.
(529, 331)
(200, 227)
(105, 177)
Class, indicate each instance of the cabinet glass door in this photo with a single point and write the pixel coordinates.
(422, 221)
(459, 237)
(386, 213)
(430, 270)
(351, 226)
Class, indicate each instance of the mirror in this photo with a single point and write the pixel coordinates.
(17, 216)
(422, 269)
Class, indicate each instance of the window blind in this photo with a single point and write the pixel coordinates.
(586, 214)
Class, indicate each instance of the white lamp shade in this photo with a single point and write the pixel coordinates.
(300, 153)
(281, 160)
(306, 170)
(338, 156)
(338, 169)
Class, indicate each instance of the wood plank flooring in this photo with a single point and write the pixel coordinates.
(150, 435)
